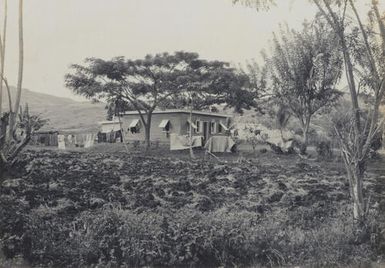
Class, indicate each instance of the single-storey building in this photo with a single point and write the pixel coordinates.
(174, 121)
(46, 138)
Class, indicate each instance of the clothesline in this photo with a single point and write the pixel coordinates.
(78, 140)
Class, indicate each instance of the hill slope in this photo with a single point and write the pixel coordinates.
(63, 113)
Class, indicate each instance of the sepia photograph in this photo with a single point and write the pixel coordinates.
(192, 133)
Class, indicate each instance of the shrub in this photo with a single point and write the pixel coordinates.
(12, 225)
(324, 149)
(136, 144)
(113, 236)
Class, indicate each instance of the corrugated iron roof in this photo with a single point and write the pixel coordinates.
(171, 111)
(109, 122)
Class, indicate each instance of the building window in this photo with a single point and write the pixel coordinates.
(198, 127)
(165, 125)
(220, 129)
(213, 126)
(134, 126)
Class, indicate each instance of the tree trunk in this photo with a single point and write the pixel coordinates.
(190, 135)
(13, 116)
(355, 173)
(305, 137)
(354, 167)
(122, 133)
(2, 53)
(303, 147)
(147, 129)
(354, 148)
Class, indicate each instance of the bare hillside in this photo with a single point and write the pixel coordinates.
(63, 113)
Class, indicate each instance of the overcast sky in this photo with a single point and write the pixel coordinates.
(61, 32)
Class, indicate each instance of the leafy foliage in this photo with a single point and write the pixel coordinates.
(304, 70)
(162, 81)
(26, 125)
(253, 136)
(156, 79)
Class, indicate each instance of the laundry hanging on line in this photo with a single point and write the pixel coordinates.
(182, 142)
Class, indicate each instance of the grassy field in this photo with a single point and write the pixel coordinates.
(104, 206)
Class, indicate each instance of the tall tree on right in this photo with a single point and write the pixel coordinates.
(304, 68)
(363, 49)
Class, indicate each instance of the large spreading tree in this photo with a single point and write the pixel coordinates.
(304, 68)
(160, 81)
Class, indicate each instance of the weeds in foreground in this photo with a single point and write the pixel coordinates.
(112, 236)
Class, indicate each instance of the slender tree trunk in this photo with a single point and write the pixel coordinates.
(352, 87)
(9, 95)
(2, 53)
(3, 131)
(122, 133)
(357, 195)
(281, 132)
(355, 150)
(13, 116)
(355, 167)
(147, 137)
(355, 173)
(305, 137)
(303, 148)
(147, 129)
(190, 132)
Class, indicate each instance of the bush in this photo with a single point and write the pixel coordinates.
(12, 225)
(112, 236)
(324, 149)
(376, 144)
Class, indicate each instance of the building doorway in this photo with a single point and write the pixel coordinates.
(205, 131)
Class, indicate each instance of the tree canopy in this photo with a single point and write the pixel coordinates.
(304, 68)
(162, 81)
